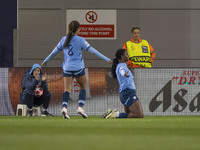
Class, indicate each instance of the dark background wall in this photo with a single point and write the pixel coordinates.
(8, 22)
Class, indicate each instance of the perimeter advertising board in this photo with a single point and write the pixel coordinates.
(169, 91)
(161, 91)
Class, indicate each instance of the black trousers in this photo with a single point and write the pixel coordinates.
(32, 100)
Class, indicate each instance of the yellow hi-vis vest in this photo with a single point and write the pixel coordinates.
(139, 53)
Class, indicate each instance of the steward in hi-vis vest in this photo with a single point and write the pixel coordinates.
(141, 53)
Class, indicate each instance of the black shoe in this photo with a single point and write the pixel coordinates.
(45, 113)
(30, 112)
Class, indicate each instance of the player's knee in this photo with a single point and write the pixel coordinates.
(131, 115)
(140, 115)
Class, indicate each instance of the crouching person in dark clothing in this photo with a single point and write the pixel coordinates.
(35, 90)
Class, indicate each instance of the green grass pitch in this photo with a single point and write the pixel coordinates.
(94, 133)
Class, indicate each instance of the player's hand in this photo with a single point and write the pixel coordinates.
(126, 74)
(44, 77)
(110, 61)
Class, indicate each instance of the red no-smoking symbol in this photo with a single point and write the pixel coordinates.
(91, 16)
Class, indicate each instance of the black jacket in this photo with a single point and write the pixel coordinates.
(29, 84)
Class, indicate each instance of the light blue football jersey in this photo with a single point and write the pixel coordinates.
(73, 60)
(124, 82)
(73, 53)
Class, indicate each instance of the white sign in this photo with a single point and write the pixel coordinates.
(94, 24)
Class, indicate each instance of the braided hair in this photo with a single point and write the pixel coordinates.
(73, 27)
(118, 55)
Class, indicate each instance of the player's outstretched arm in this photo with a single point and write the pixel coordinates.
(94, 51)
(53, 54)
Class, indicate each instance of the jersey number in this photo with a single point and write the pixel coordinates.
(70, 53)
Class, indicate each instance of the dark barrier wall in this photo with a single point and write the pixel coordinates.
(8, 22)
